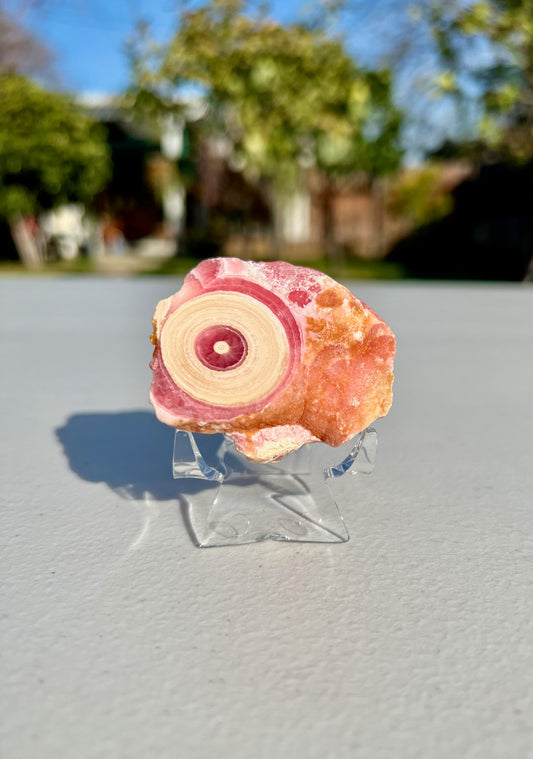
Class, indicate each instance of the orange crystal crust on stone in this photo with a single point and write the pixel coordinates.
(272, 354)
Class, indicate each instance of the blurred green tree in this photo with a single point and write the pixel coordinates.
(420, 195)
(50, 153)
(501, 69)
(287, 98)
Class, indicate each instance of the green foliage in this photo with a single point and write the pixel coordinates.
(419, 196)
(446, 82)
(286, 96)
(50, 152)
(505, 76)
(475, 18)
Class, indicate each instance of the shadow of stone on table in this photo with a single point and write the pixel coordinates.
(131, 451)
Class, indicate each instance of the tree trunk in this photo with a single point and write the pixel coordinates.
(332, 250)
(25, 243)
(378, 189)
(276, 227)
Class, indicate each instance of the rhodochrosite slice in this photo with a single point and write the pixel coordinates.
(272, 354)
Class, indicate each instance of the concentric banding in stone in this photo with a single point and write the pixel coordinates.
(221, 348)
(258, 372)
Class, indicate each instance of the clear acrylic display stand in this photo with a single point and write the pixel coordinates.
(239, 501)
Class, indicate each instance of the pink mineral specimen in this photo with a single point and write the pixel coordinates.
(272, 354)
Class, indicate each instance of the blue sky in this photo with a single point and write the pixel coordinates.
(87, 37)
(87, 40)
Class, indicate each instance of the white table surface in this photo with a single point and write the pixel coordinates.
(120, 638)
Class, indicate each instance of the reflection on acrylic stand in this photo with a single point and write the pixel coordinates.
(290, 500)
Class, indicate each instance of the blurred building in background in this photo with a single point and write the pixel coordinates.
(275, 141)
